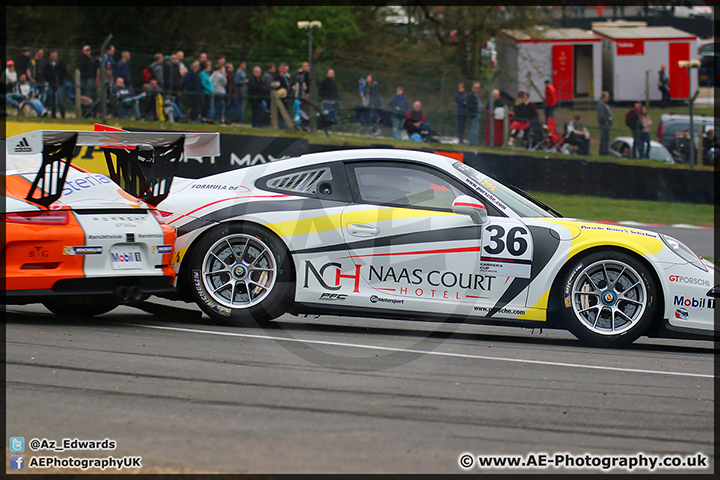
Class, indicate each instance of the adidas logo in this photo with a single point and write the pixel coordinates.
(23, 146)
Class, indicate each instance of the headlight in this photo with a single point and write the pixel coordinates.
(682, 251)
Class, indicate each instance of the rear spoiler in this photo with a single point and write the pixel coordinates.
(141, 163)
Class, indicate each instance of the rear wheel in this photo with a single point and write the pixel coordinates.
(79, 307)
(609, 299)
(238, 273)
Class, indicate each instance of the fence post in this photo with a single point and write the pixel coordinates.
(103, 76)
(78, 104)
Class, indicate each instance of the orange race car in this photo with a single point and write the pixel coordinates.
(81, 243)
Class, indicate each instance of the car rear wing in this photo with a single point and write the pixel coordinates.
(141, 163)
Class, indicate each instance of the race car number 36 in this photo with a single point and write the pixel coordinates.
(507, 249)
(126, 257)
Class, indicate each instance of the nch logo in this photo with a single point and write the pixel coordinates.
(23, 146)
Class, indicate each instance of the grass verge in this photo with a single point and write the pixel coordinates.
(618, 210)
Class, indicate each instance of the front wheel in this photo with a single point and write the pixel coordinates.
(609, 299)
(239, 273)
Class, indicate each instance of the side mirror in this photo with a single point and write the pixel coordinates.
(467, 205)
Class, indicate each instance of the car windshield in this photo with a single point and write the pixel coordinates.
(657, 152)
(523, 206)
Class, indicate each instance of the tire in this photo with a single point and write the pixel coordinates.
(609, 299)
(240, 273)
(79, 307)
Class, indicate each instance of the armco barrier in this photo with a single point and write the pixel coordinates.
(614, 180)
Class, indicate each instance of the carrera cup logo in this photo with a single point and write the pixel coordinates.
(376, 299)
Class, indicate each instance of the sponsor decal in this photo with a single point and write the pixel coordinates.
(150, 235)
(125, 257)
(104, 237)
(568, 285)
(489, 185)
(320, 276)
(120, 218)
(689, 280)
(214, 186)
(408, 281)
(618, 230)
(693, 302)
(249, 160)
(38, 252)
(87, 181)
(333, 296)
(197, 282)
(376, 299)
(507, 311)
(630, 47)
(82, 250)
(23, 146)
(682, 314)
(486, 195)
(161, 248)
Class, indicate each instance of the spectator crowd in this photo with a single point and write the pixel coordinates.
(201, 90)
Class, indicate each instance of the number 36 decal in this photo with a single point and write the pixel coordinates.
(507, 249)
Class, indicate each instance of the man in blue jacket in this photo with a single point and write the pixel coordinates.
(399, 106)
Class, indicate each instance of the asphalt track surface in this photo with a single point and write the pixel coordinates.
(346, 395)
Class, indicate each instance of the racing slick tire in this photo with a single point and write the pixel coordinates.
(240, 273)
(79, 307)
(609, 299)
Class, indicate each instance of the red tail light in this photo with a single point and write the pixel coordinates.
(160, 215)
(660, 132)
(56, 217)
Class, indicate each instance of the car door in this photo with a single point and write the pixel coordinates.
(408, 250)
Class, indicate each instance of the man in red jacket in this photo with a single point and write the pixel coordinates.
(551, 100)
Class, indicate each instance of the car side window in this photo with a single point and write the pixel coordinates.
(405, 185)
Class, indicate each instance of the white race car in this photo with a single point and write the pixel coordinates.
(406, 234)
(82, 243)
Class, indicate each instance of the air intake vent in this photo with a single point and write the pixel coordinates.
(301, 182)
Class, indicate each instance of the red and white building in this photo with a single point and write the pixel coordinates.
(632, 54)
(570, 58)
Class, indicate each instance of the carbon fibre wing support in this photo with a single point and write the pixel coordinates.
(145, 173)
(147, 176)
(50, 179)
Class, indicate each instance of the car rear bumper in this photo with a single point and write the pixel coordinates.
(119, 288)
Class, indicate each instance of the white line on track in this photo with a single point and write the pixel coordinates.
(442, 354)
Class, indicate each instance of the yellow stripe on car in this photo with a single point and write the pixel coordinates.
(596, 234)
(333, 222)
